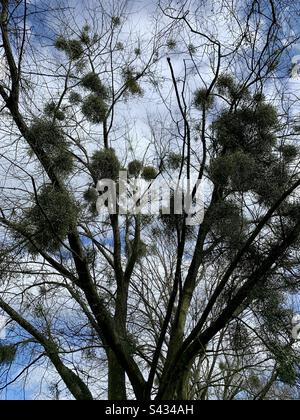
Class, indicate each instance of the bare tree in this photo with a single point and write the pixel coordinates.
(133, 306)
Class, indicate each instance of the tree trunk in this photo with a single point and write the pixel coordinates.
(76, 386)
(116, 373)
(178, 388)
(116, 379)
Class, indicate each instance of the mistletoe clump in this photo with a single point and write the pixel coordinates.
(250, 160)
(75, 98)
(94, 109)
(174, 161)
(93, 83)
(135, 168)
(237, 171)
(73, 48)
(138, 52)
(7, 354)
(95, 106)
(130, 78)
(51, 219)
(46, 135)
(149, 173)
(173, 222)
(52, 110)
(228, 87)
(289, 152)
(90, 195)
(85, 35)
(248, 129)
(203, 99)
(239, 336)
(141, 250)
(288, 364)
(116, 21)
(105, 165)
(171, 44)
(227, 223)
(273, 181)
